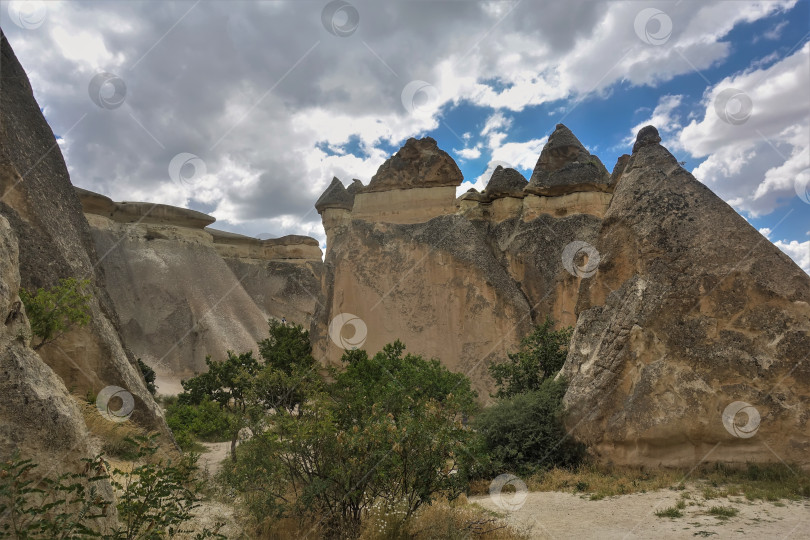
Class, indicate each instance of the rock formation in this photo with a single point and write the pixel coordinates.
(38, 201)
(688, 323)
(184, 291)
(691, 311)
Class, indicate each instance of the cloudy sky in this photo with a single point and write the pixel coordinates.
(246, 109)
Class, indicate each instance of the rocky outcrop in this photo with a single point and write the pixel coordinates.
(505, 182)
(565, 166)
(692, 338)
(335, 196)
(184, 292)
(44, 212)
(418, 164)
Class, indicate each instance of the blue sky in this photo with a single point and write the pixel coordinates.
(275, 98)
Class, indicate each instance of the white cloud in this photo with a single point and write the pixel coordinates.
(753, 161)
(798, 251)
(663, 117)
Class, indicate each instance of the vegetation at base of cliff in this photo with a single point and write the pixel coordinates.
(54, 311)
(389, 429)
(541, 356)
(154, 499)
(523, 431)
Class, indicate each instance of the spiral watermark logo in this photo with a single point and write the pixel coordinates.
(511, 501)
(802, 185)
(115, 404)
(733, 106)
(28, 15)
(653, 26)
(580, 259)
(107, 90)
(186, 168)
(355, 338)
(340, 18)
(738, 412)
(419, 96)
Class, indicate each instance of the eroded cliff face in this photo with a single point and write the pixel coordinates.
(691, 329)
(38, 201)
(460, 280)
(184, 292)
(691, 311)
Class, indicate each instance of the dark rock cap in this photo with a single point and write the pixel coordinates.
(420, 163)
(355, 187)
(646, 136)
(473, 194)
(506, 182)
(335, 196)
(566, 166)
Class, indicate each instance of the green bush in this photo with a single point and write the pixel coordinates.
(525, 432)
(54, 311)
(207, 420)
(388, 430)
(154, 499)
(541, 355)
(148, 376)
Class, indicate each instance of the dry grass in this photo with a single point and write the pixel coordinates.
(441, 520)
(770, 482)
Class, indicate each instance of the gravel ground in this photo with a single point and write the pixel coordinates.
(566, 515)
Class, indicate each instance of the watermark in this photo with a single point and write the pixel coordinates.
(107, 90)
(733, 106)
(802, 185)
(28, 14)
(109, 398)
(735, 414)
(510, 501)
(337, 331)
(653, 26)
(186, 168)
(418, 97)
(580, 259)
(340, 18)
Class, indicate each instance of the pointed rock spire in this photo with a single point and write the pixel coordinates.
(566, 166)
(335, 196)
(505, 182)
(420, 163)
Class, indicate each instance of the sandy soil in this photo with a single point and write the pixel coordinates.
(566, 515)
(211, 459)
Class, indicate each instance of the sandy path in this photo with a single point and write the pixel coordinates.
(566, 515)
(211, 460)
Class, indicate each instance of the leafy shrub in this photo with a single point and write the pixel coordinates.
(388, 429)
(54, 311)
(541, 355)
(206, 420)
(155, 499)
(148, 376)
(525, 432)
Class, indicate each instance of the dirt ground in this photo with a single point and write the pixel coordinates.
(566, 515)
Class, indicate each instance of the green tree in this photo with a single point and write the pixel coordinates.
(389, 428)
(54, 311)
(541, 355)
(148, 376)
(228, 383)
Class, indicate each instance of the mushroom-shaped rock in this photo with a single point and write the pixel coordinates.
(418, 164)
(646, 136)
(355, 187)
(506, 182)
(335, 196)
(565, 166)
(473, 194)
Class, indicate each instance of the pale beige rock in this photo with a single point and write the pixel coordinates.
(594, 203)
(415, 205)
